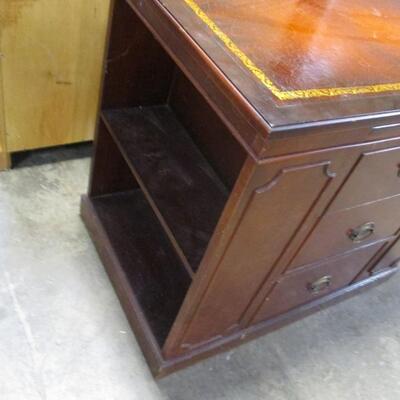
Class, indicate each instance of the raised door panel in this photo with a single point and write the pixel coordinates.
(273, 215)
(52, 52)
(375, 176)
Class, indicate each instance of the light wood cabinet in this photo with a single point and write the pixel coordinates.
(52, 53)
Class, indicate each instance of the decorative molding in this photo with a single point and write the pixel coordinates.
(269, 84)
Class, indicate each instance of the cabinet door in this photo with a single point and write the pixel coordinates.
(273, 215)
(376, 176)
(52, 53)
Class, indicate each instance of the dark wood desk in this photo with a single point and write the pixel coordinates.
(247, 162)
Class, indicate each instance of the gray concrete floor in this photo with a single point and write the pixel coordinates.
(64, 336)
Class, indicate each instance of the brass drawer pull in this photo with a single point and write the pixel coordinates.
(362, 232)
(319, 285)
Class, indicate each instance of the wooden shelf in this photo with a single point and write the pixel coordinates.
(153, 272)
(184, 191)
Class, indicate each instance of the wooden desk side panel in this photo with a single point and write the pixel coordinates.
(279, 205)
(138, 70)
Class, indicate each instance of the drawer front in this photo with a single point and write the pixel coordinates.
(305, 285)
(376, 176)
(342, 231)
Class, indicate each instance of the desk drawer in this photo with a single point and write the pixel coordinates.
(305, 285)
(376, 176)
(347, 230)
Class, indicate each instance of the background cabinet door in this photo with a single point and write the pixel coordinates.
(51, 63)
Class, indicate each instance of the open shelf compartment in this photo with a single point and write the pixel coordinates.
(185, 192)
(150, 266)
(162, 173)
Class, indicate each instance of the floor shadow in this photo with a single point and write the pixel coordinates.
(51, 155)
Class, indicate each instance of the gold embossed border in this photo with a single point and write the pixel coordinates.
(284, 94)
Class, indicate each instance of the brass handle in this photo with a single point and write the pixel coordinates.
(362, 232)
(319, 285)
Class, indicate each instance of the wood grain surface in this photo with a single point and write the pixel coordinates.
(52, 53)
(310, 48)
(298, 62)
